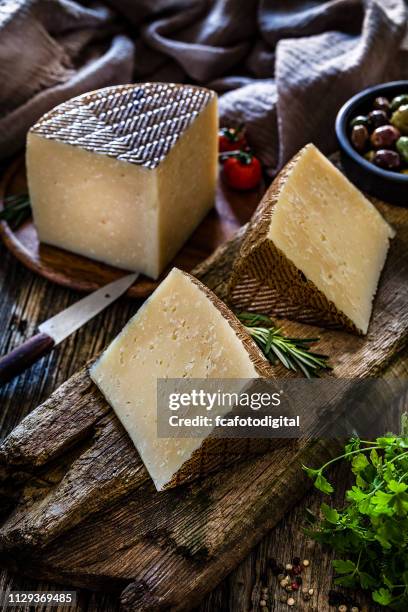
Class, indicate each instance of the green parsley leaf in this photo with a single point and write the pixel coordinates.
(330, 514)
(370, 531)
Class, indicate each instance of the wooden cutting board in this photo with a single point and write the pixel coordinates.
(232, 209)
(79, 507)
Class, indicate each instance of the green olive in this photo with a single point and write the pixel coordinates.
(399, 101)
(359, 120)
(402, 147)
(370, 156)
(399, 119)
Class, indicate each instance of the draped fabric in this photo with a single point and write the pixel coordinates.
(282, 67)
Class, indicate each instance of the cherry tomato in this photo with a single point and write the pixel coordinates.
(231, 139)
(242, 171)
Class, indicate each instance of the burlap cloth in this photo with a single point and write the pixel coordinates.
(283, 67)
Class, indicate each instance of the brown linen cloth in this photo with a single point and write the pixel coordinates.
(283, 67)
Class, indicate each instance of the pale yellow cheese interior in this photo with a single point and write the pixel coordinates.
(332, 233)
(118, 212)
(177, 333)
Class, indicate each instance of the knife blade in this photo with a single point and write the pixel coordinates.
(55, 330)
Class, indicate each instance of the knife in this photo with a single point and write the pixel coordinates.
(56, 329)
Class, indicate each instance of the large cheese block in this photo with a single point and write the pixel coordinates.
(314, 250)
(124, 174)
(182, 331)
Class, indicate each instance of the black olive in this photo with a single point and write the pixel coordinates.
(387, 159)
(384, 137)
(377, 118)
(359, 137)
(359, 120)
(382, 103)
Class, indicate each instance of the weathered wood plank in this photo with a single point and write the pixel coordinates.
(170, 547)
(241, 589)
(170, 555)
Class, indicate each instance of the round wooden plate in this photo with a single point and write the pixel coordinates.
(232, 210)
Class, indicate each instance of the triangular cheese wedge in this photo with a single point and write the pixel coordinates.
(314, 249)
(182, 330)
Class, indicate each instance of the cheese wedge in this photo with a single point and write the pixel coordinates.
(124, 174)
(314, 249)
(182, 330)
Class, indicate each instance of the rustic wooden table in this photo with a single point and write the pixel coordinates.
(25, 301)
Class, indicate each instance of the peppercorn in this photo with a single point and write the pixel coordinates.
(291, 601)
(296, 561)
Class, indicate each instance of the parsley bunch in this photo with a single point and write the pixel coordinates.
(370, 532)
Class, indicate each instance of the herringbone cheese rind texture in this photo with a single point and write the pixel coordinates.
(182, 331)
(138, 123)
(125, 174)
(314, 250)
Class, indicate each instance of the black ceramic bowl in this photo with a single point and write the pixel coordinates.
(383, 184)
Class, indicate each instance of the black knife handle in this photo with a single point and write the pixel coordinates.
(23, 356)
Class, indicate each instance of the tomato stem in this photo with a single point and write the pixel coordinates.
(245, 157)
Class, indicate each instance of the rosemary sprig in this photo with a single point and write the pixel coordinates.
(16, 210)
(294, 353)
